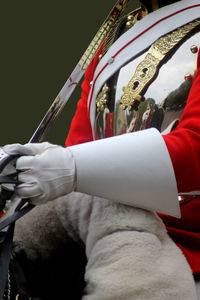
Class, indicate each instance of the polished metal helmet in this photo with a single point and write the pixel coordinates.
(151, 88)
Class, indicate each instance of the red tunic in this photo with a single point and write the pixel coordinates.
(184, 148)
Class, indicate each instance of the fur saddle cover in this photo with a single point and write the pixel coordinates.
(89, 248)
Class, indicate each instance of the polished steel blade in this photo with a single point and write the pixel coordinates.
(78, 72)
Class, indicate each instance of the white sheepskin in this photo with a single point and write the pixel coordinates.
(130, 256)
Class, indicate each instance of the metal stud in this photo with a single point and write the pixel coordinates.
(129, 24)
(194, 49)
(111, 60)
(188, 77)
(130, 18)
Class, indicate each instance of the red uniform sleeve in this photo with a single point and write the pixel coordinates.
(80, 129)
(184, 142)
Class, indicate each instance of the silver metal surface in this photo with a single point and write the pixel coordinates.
(163, 100)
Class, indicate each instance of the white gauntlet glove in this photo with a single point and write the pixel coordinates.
(47, 171)
(133, 169)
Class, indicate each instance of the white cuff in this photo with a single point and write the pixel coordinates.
(133, 169)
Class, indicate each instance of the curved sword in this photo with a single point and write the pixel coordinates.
(79, 71)
(73, 80)
(71, 83)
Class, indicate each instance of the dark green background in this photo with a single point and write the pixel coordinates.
(41, 42)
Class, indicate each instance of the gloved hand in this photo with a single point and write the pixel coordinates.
(46, 171)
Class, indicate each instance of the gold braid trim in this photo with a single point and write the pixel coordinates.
(103, 32)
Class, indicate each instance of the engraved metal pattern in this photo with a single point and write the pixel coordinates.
(135, 16)
(147, 69)
(110, 37)
(103, 32)
(132, 18)
(102, 100)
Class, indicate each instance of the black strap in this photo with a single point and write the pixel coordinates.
(6, 247)
(16, 215)
(9, 179)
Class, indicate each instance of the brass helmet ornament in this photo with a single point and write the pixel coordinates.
(152, 5)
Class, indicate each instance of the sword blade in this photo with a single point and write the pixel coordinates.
(57, 105)
(75, 77)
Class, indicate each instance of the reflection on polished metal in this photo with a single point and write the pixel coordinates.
(163, 100)
(185, 199)
(129, 24)
(148, 68)
(50, 116)
(101, 100)
(130, 17)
